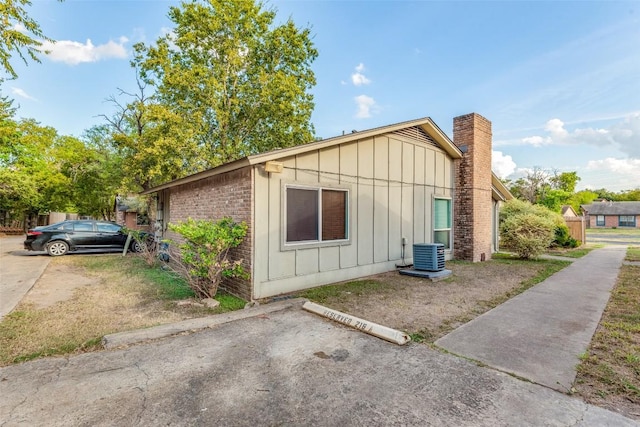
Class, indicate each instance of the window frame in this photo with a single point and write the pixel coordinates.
(142, 219)
(600, 223)
(627, 223)
(318, 188)
(450, 221)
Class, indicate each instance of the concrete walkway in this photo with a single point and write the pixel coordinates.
(19, 271)
(539, 334)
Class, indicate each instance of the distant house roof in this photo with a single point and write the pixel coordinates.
(612, 208)
(567, 210)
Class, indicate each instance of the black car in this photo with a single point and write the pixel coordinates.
(62, 237)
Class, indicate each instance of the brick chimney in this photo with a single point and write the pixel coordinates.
(472, 217)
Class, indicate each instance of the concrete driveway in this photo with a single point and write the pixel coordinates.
(286, 367)
(19, 271)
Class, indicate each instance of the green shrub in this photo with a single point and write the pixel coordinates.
(203, 256)
(527, 234)
(561, 236)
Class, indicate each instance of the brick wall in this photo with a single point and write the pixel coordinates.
(472, 200)
(228, 194)
(610, 221)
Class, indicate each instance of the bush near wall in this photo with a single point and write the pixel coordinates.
(529, 229)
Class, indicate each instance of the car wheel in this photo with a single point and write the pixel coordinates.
(57, 248)
(136, 246)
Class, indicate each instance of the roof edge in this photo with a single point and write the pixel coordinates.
(425, 123)
(227, 167)
(499, 188)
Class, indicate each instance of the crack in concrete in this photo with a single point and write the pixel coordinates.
(143, 392)
(54, 378)
(579, 420)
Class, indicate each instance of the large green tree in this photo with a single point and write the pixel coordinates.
(93, 170)
(532, 187)
(31, 180)
(238, 83)
(19, 34)
(153, 141)
(565, 181)
(41, 171)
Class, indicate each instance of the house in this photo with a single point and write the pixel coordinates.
(607, 214)
(567, 211)
(349, 206)
(131, 212)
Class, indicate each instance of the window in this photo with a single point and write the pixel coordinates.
(600, 220)
(316, 214)
(627, 221)
(106, 227)
(83, 226)
(142, 219)
(442, 222)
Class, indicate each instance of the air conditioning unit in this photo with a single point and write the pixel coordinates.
(428, 256)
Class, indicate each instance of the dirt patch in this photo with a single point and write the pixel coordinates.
(70, 309)
(431, 309)
(58, 283)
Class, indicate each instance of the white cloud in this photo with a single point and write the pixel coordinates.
(22, 94)
(365, 106)
(359, 79)
(610, 164)
(627, 135)
(624, 135)
(537, 141)
(613, 174)
(502, 165)
(556, 128)
(74, 53)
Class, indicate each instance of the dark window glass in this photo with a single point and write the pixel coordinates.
(302, 215)
(627, 221)
(334, 215)
(142, 219)
(600, 220)
(83, 226)
(105, 227)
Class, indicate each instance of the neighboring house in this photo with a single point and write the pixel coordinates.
(131, 213)
(349, 206)
(606, 214)
(568, 211)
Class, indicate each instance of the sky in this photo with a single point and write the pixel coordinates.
(559, 80)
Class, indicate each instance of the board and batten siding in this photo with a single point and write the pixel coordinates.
(392, 180)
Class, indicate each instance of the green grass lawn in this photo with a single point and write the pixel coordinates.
(609, 372)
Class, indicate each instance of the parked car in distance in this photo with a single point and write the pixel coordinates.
(71, 235)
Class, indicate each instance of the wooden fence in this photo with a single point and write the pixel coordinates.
(577, 228)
